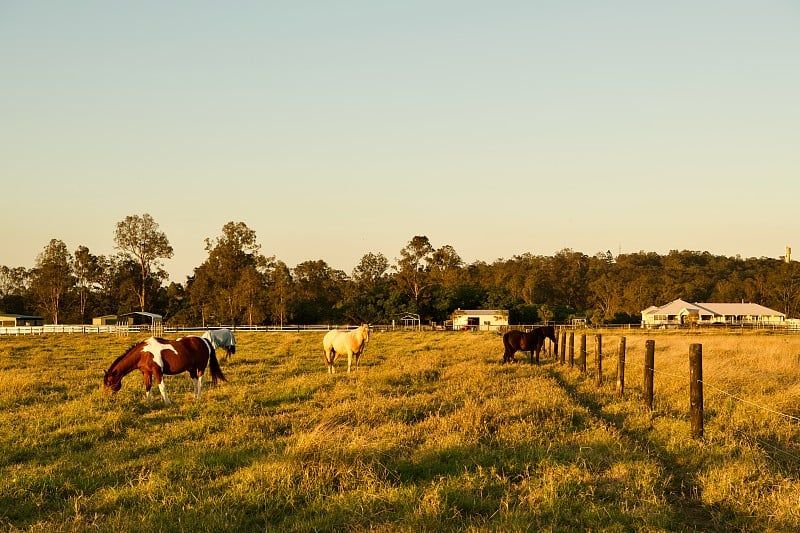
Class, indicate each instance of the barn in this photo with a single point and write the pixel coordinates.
(11, 320)
(681, 313)
(141, 320)
(479, 319)
(105, 320)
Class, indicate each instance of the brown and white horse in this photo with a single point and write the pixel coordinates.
(156, 357)
(350, 342)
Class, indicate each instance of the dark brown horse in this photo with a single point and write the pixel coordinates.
(532, 341)
(156, 357)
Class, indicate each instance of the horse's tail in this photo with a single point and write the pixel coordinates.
(216, 371)
(506, 342)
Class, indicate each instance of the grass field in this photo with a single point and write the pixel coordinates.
(431, 433)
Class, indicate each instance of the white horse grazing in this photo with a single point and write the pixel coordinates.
(222, 338)
(350, 342)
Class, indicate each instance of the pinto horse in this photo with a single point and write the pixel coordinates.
(532, 342)
(156, 357)
(222, 338)
(350, 342)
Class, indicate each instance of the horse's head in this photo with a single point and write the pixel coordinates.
(365, 332)
(112, 381)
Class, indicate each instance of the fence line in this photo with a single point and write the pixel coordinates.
(706, 383)
(790, 417)
(697, 430)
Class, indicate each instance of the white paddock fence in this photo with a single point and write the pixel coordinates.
(792, 327)
(123, 330)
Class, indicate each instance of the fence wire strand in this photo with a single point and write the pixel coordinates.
(763, 443)
(790, 417)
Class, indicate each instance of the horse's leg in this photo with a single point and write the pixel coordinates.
(162, 386)
(330, 358)
(349, 358)
(197, 381)
(148, 383)
(198, 385)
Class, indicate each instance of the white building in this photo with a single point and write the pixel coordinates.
(679, 313)
(480, 319)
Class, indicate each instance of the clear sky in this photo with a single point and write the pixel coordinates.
(334, 129)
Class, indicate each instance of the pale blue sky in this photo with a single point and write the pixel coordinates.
(334, 129)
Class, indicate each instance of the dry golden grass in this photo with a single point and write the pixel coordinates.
(431, 434)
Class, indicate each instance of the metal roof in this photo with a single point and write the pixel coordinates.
(678, 306)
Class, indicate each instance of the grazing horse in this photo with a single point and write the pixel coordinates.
(531, 341)
(222, 338)
(350, 342)
(156, 357)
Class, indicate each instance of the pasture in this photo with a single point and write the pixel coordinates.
(431, 433)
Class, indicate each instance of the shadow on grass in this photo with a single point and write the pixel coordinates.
(682, 488)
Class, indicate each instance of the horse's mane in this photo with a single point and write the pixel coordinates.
(121, 357)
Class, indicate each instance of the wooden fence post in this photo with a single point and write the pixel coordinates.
(563, 347)
(649, 368)
(598, 350)
(696, 389)
(621, 368)
(582, 353)
(571, 349)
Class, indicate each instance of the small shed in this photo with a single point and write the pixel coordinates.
(143, 319)
(105, 320)
(480, 319)
(10, 320)
(410, 321)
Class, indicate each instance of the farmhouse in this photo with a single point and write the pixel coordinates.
(10, 320)
(681, 313)
(480, 319)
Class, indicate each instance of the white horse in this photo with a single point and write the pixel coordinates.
(350, 342)
(222, 338)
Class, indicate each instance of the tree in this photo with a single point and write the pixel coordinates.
(318, 290)
(231, 281)
(370, 269)
(14, 284)
(367, 295)
(86, 268)
(139, 238)
(52, 279)
(785, 287)
(252, 290)
(445, 266)
(280, 293)
(412, 268)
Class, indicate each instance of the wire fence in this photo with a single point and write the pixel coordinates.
(716, 388)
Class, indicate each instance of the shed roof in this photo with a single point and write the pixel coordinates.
(143, 313)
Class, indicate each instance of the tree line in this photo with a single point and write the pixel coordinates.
(238, 285)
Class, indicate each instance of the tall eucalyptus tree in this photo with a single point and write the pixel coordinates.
(140, 238)
(52, 279)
